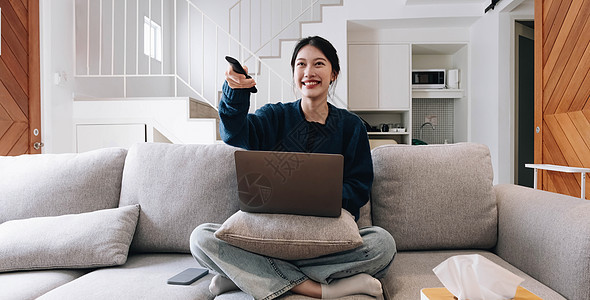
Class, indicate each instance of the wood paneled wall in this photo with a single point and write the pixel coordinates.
(562, 91)
(19, 77)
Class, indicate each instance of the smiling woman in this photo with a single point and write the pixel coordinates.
(310, 124)
(314, 73)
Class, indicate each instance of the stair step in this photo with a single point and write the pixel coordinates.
(202, 110)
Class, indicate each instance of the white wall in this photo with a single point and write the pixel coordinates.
(462, 130)
(484, 95)
(57, 51)
(217, 10)
(492, 84)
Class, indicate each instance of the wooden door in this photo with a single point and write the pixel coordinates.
(562, 91)
(20, 111)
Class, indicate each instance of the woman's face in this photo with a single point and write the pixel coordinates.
(313, 73)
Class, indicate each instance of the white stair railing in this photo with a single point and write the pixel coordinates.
(261, 24)
(150, 48)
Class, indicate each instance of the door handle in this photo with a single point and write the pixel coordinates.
(38, 145)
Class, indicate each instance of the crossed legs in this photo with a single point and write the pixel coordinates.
(332, 276)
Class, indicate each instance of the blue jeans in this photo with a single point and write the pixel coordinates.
(267, 278)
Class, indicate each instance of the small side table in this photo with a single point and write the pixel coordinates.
(565, 169)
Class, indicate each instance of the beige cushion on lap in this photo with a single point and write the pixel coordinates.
(290, 237)
(95, 239)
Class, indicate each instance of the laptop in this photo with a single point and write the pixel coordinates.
(307, 184)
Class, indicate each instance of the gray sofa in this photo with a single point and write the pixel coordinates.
(437, 201)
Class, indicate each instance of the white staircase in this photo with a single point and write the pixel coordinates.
(262, 25)
(144, 60)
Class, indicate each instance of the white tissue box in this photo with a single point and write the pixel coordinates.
(444, 294)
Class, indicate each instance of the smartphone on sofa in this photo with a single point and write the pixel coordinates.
(188, 276)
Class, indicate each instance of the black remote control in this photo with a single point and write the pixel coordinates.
(235, 64)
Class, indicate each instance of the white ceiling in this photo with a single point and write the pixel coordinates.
(430, 22)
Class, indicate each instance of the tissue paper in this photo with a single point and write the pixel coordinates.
(475, 277)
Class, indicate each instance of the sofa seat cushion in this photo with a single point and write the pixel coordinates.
(435, 197)
(32, 284)
(178, 187)
(57, 184)
(144, 276)
(411, 271)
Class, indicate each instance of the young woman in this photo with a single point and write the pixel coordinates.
(310, 124)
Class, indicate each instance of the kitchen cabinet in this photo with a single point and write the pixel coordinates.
(379, 88)
(363, 77)
(394, 77)
(379, 77)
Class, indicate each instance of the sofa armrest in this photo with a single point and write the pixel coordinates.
(546, 235)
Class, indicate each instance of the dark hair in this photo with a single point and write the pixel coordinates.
(323, 45)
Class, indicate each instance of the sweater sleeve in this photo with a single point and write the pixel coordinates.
(239, 128)
(358, 170)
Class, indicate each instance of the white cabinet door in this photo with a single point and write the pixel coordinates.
(96, 136)
(363, 77)
(394, 76)
(379, 77)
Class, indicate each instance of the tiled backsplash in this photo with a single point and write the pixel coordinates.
(433, 108)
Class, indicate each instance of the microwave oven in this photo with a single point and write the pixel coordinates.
(428, 79)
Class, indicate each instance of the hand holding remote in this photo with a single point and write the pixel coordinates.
(237, 67)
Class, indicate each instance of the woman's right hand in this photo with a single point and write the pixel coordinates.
(238, 81)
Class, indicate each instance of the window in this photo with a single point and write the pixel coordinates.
(152, 39)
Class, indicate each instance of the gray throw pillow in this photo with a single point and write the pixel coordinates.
(435, 196)
(178, 188)
(88, 240)
(42, 185)
(290, 237)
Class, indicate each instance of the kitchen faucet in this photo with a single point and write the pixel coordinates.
(427, 123)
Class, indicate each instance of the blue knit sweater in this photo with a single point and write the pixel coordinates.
(282, 127)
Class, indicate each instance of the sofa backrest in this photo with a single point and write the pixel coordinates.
(178, 188)
(435, 196)
(365, 216)
(58, 184)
